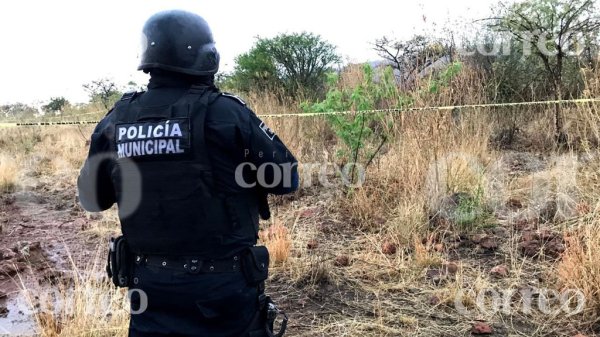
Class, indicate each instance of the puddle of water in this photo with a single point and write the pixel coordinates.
(19, 321)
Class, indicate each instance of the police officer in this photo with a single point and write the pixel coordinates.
(189, 167)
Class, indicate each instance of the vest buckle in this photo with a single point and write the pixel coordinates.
(193, 266)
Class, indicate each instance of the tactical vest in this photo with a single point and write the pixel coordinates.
(179, 211)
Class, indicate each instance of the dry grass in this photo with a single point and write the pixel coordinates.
(278, 241)
(579, 267)
(374, 291)
(105, 225)
(9, 172)
(82, 303)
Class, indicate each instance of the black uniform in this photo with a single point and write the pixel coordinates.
(170, 158)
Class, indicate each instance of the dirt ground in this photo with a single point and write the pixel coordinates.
(43, 234)
(337, 281)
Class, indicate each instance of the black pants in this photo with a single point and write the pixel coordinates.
(183, 304)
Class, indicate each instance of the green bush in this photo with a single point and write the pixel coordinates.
(359, 130)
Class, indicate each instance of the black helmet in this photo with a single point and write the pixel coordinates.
(178, 41)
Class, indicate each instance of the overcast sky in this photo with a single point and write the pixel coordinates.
(50, 48)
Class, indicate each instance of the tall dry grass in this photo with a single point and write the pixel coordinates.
(9, 170)
(428, 156)
(82, 302)
(277, 239)
(579, 267)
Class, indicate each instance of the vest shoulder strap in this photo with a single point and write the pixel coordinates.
(130, 95)
(234, 97)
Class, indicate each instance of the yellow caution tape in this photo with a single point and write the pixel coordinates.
(312, 114)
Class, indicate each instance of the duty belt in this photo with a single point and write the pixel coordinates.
(190, 264)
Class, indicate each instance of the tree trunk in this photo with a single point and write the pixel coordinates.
(560, 134)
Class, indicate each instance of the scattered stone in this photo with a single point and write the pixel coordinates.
(389, 248)
(489, 243)
(481, 328)
(436, 276)
(451, 268)
(500, 232)
(524, 223)
(342, 261)
(3, 312)
(548, 212)
(433, 273)
(500, 271)
(543, 241)
(309, 212)
(530, 248)
(55, 277)
(514, 204)
(12, 268)
(520, 162)
(79, 223)
(25, 248)
(477, 238)
(434, 300)
(8, 200)
(554, 249)
(326, 227)
(312, 244)
(7, 254)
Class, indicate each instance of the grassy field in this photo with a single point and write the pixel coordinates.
(450, 213)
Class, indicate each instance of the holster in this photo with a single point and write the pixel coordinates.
(255, 265)
(120, 262)
(263, 324)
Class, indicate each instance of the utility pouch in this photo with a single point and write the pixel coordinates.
(119, 265)
(255, 264)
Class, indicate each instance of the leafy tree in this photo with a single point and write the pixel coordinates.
(17, 110)
(412, 56)
(256, 70)
(104, 91)
(298, 61)
(551, 29)
(56, 104)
